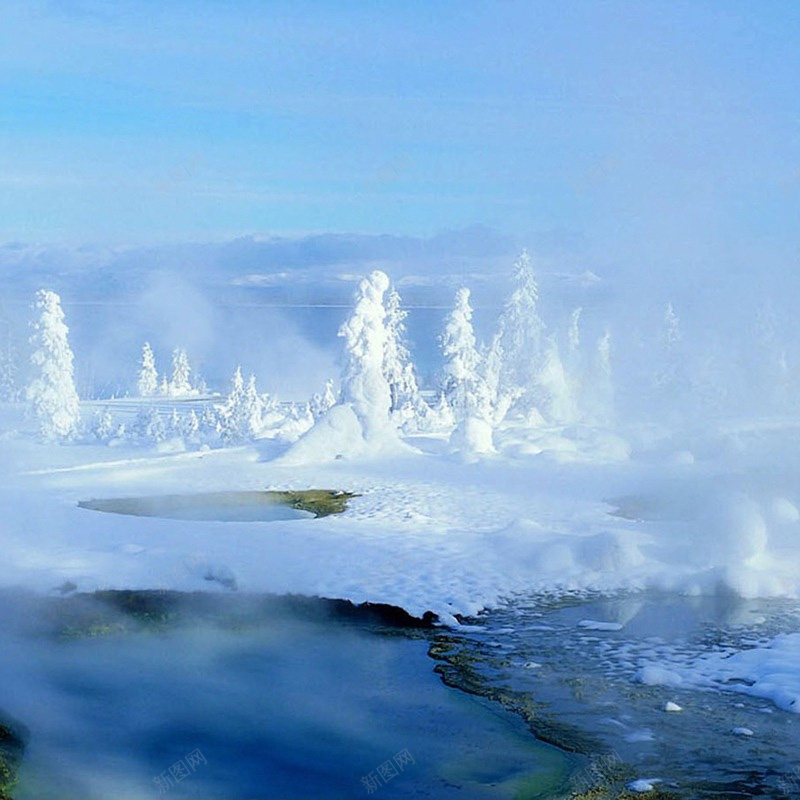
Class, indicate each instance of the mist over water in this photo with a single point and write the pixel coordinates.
(280, 704)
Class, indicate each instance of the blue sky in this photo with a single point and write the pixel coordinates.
(294, 106)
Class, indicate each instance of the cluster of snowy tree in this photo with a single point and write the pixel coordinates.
(243, 414)
(526, 376)
(181, 383)
(518, 377)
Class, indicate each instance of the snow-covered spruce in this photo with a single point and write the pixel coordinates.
(519, 334)
(147, 381)
(173, 425)
(103, 427)
(181, 383)
(407, 406)
(360, 423)
(246, 414)
(320, 403)
(231, 421)
(364, 384)
(189, 427)
(252, 410)
(148, 427)
(51, 393)
(463, 385)
(210, 423)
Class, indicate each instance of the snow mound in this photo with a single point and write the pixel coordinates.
(737, 532)
(472, 437)
(338, 434)
(573, 443)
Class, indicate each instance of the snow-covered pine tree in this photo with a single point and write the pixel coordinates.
(462, 382)
(210, 427)
(520, 330)
(441, 415)
(199, 385)
(271, 412)
(232, 421)
(103, 427)
(147, 383)
(297, 420)
(364, 384)
(406, 402)
(163, 386)
(181, 383)
(173, 427)
(460, 373)
(329, 396)
(501, 397)
(148, 427)
(315, 406)
(320, 403)
(190, 426)
(252, 409)
(52, 393)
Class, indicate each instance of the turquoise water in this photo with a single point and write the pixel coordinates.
(202, 506)
(284, 707)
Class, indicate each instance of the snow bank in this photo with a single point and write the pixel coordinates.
(427, 533)
(338, 434)
(769, 671)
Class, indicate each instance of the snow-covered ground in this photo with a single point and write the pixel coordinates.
(767, 668)
(432, 532)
